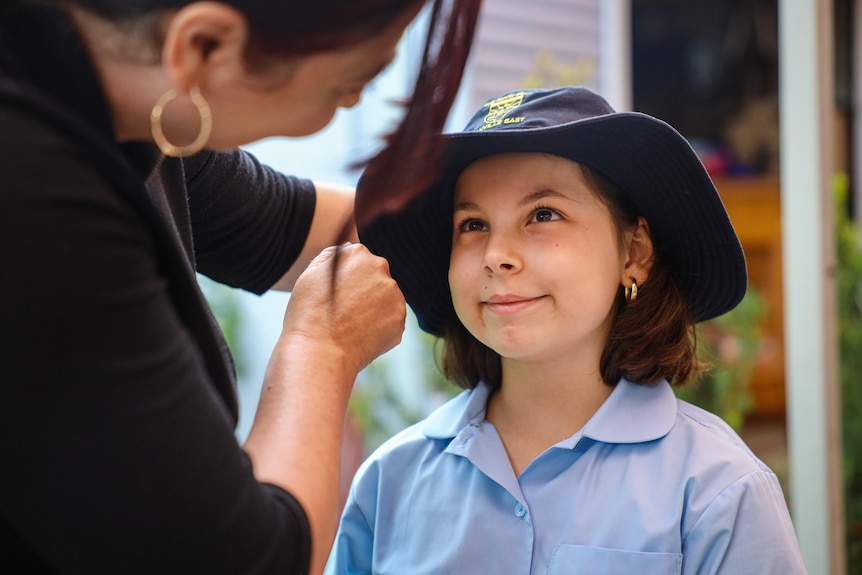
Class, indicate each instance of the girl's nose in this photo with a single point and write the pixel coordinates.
(501, 256)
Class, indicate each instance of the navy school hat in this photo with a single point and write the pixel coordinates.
(643, 156)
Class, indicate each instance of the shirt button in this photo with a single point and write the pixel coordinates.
(520, 510)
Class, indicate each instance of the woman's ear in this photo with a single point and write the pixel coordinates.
(639, 252)
(204, 45)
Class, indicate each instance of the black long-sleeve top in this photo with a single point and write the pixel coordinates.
(117, 401)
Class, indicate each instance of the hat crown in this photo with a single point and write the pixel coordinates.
(529, 109)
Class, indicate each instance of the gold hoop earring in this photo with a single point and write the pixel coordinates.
(632, 292)
(200, 141)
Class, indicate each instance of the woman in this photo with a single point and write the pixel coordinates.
(119, 127)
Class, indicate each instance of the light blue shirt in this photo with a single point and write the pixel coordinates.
(650, 486)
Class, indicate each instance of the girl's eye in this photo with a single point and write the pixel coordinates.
(471, 225)
(545, 215)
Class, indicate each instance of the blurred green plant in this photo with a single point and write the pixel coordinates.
(383, 404)
(226, 309)
(849, 288)
(730, 344)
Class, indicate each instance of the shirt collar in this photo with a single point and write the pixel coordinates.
(447, 421)
(632, 414)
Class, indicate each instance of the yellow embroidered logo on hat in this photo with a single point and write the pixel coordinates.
(501, 106)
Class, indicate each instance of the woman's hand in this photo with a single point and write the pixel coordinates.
(347, 298)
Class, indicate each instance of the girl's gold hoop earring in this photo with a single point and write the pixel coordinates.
(170, 149)
(632, 292)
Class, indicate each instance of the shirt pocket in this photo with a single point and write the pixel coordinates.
(582, 560)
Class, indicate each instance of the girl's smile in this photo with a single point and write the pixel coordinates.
(510, 304)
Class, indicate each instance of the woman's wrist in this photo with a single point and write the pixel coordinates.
(320, 357)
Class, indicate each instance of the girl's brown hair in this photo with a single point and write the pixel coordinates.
(650, 339)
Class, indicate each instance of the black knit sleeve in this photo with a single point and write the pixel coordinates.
(249, 221)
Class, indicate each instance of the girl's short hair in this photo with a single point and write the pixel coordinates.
(650, 339)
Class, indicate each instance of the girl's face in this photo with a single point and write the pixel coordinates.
(536, 258)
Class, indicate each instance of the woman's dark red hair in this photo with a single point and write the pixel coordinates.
(286, 28)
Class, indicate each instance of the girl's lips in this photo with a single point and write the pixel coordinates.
(509, 305)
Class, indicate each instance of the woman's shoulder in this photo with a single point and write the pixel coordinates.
(44, 166)
(39, 161)
(25, 130)
(39, 140)
(37, 127)
(23, 105)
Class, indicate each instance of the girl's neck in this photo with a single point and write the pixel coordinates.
(536, 408)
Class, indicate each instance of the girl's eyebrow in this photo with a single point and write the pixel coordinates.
(525, 201)
(542, 194)
(465, 206)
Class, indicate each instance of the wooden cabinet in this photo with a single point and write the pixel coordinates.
(754, 207)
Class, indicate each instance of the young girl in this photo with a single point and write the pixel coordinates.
(564, 255)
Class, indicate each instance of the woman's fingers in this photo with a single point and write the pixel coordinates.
(346, 296)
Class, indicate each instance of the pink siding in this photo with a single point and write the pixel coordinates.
(512, 34)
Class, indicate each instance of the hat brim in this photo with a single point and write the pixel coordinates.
(643, 156)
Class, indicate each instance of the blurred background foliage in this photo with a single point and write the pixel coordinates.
(383, 403)
(729, 344)
(849, 258)
(225, 306)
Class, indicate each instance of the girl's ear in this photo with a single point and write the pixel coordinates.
(204, 45)
(639, 252)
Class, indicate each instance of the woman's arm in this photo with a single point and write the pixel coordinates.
(332, 225)
(257, 229)
(334, 326)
